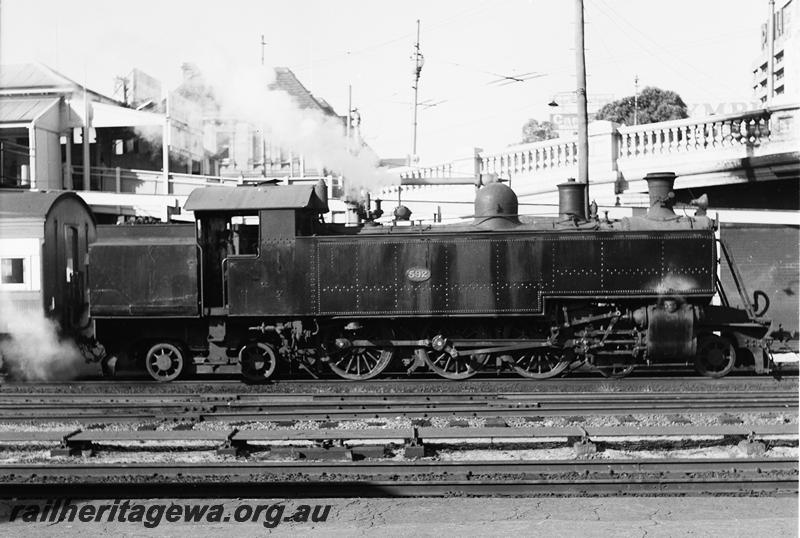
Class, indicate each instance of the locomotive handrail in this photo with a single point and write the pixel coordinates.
(737, 280)
(224, 282)
(200, 258)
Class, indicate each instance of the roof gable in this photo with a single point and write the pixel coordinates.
(24, 109)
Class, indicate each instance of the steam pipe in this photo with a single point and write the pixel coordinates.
(437, 181)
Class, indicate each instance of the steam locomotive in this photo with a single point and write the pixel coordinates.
(261, 285)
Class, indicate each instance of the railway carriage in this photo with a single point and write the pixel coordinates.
(260, 283)
(44, 242)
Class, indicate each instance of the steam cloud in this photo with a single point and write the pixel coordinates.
(31, 348)
(244, 94)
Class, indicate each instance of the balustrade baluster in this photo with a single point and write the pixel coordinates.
(724, 133)
(766, 130)
(717, 130)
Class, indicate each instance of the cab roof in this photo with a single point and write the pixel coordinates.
(254, 198)
(19, 204)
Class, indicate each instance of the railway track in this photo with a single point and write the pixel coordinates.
(104, 407)
(759, 476)
(636, 379)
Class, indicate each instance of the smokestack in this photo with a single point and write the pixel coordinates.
(571, 200)
(353, 217)
(659, 185)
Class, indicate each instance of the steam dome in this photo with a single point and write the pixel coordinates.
(496, 204)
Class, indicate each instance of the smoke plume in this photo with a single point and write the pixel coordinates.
(319, 138)
(31, 348)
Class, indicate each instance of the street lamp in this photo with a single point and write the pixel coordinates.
(419, 61)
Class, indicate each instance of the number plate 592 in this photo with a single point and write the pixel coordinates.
(418, 274)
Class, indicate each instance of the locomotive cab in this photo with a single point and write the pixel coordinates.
(243, 230)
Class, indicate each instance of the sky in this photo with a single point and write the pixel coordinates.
(702, 49)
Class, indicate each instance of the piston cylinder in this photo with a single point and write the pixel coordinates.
(670, 331)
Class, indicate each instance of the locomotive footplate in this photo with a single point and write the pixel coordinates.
(474, 346)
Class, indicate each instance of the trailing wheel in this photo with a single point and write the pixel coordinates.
(257, 361)
(715, 357)
(539, 363)
(615, 371)
(165, 361)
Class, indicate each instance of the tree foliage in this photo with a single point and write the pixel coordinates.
(654, 105)
(536, 131)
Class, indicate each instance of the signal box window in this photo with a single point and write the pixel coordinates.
(11, 270)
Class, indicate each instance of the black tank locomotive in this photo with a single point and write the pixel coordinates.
(261, 285)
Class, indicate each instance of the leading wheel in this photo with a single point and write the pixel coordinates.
(165, 362)
(258, 362)
(715, 356)
(539, 363)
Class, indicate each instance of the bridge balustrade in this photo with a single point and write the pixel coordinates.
(689, 146)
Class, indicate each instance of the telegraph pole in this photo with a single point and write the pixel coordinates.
(263, 127)
(419, 60)
(636, 100)
(583, 121)
(349, 110)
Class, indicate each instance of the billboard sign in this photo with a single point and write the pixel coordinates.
(144, 88)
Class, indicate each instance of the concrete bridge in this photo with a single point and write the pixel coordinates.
(748, 161)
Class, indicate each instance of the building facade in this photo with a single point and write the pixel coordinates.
(776, 70)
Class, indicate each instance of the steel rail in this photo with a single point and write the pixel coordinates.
(19, 407)
(17, 398)
(632, 380)
(392, 478)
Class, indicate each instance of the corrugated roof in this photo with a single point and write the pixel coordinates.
(37, 78)
(31, 76)
(253, 198)
(286, 80)
(23, 109)
(32, 204)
